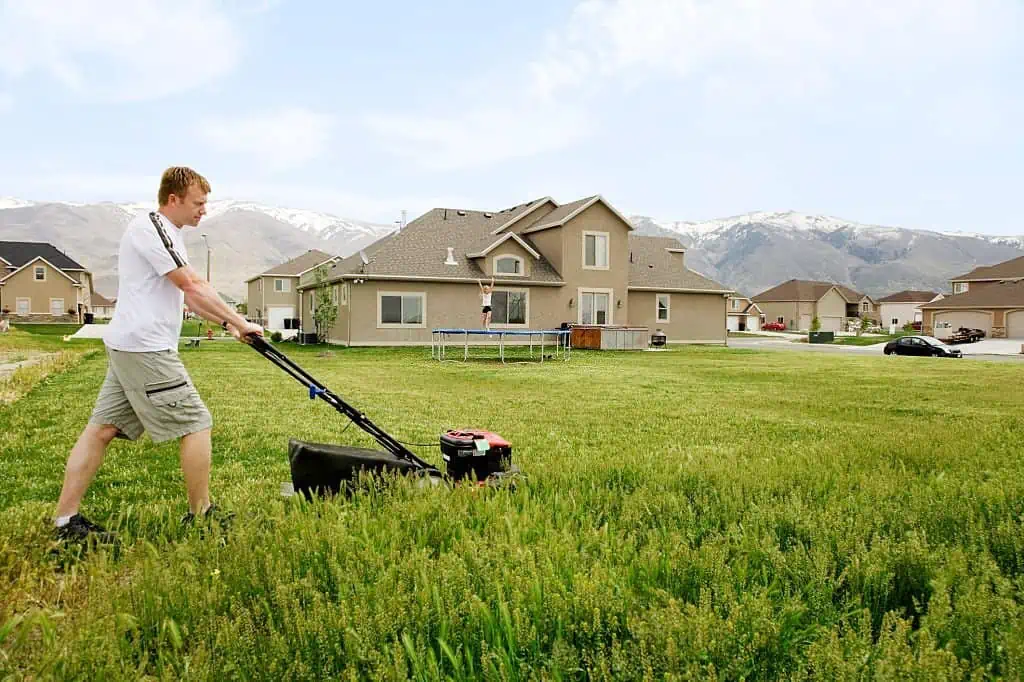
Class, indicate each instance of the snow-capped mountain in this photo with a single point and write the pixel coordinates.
(246, 238)
(755, 251)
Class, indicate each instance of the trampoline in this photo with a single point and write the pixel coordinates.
(562, 341)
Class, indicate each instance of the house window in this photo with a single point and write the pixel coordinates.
(960, 288)
(344, 293)
(663, 307)
(282, 286)
(595, 250)
(24, 305)
(508, 265)
(39, 272)
(735, 304)
(780, 319)
(400, 309)
(864, 306)
(895, 320)
(508, 307)
(56, 306)
(595, 306)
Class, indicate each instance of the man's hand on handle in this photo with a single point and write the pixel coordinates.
(246, 332)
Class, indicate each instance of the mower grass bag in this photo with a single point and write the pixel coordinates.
(326, 469)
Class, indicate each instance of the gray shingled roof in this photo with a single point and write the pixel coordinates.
(19, 253)
(909, 296)
(297, 265)
(558, 216)
(805, 290)
(652, 266)
(420, 250)
(994, 295)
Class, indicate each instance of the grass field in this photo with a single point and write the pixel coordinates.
(704, 513)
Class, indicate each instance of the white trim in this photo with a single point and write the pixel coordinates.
(540, 202)
(62, 273)
(607, 250)
(333, 259)
(583, 207)
(399, 325)
(518, 259)
(286, 284)
(523, 325)
(682, 291)
(19, 300)
(62, 309)
(595, 290)
(5, 260)
(502, 240)
(668, 308)
(412, 278)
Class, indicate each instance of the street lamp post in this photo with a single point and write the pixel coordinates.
(208, 250)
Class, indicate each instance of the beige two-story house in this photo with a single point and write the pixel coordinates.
(796, 302)
(990, 298)
(743, 315)
(273, 296)
(41, 283)
(578, 263)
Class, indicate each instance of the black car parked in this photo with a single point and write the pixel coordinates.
(927, 346)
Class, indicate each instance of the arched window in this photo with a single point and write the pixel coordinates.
(508, 265)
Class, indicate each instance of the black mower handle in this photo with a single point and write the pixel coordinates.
(318, 390)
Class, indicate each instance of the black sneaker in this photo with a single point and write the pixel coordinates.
(80, 528)
(212, 513)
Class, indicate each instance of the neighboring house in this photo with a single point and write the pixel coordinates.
(274, 295)
(576, 263)
(743, 315)
(903, 307)
(102, 307)
(990, 298)
(40, 283)
(796, 302)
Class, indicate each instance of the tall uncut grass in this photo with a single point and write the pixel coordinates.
(697, 514)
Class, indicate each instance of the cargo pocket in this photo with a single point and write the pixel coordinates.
(169, 392)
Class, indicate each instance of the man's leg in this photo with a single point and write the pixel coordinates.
(195, 465)
(85, 459)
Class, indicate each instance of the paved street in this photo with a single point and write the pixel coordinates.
(999, 350)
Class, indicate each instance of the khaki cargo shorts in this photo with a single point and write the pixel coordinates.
(149, 392)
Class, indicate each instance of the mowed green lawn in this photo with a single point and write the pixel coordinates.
(698, 514)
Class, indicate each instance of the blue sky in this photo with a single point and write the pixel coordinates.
(897, 113)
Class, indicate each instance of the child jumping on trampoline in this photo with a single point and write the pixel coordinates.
(485, 300)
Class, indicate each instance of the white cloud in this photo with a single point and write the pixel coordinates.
(722, 49)
(118, 50)
(278, 140)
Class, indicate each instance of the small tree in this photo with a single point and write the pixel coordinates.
(326, 312)
(865, 322)
(815, 324)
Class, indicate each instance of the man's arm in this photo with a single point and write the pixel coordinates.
(204, 300)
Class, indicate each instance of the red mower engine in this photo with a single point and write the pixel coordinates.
(476, 453)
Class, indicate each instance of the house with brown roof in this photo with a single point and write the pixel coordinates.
(903, 307)
(102, 307)
(41, 283)
(990, 298)
(743, 315)
(796, 302)
(578, 263)
(273, 296)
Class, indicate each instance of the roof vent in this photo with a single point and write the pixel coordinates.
(461, 212)
(451, 257)
(487, 215)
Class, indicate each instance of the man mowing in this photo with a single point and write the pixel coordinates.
(147, 389)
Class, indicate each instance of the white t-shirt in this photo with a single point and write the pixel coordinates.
(149, 305)
(486, 299)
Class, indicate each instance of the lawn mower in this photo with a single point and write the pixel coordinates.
(472, 456)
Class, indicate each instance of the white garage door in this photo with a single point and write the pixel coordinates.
(805, 322)
(1015, 325)
(753, 323)
(972, 319)
(277, 316)
(831, 324)
(732, 323)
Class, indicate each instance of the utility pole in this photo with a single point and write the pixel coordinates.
(208, 250)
